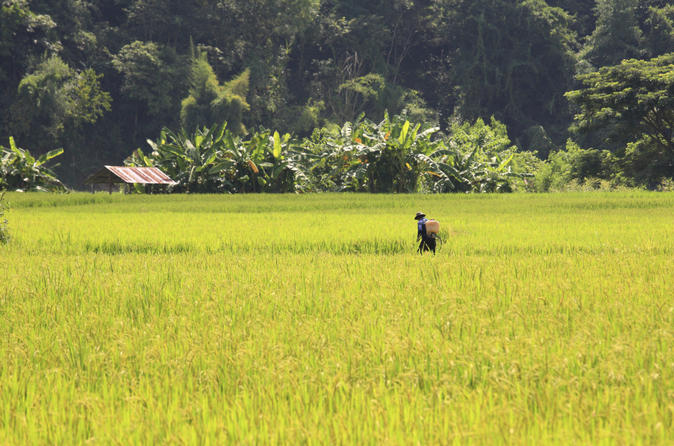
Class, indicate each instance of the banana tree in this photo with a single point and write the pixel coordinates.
(279, 165)
(242, 171)
(215, 160)
(389, 156)
(196, 161)
(400, 149)
(475, 158)
(336, 163)
(21, 171)
(454, 170)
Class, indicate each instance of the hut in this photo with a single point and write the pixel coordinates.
(147, 176)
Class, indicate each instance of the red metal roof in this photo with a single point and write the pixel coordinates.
(132, 175)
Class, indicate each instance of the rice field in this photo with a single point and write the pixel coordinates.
(310, 319)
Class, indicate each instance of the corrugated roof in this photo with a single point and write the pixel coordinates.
(130, 175)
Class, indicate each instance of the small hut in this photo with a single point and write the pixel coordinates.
(147, 176)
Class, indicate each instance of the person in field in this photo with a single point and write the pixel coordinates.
(427, 240)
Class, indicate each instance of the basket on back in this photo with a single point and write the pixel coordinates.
(432, 227)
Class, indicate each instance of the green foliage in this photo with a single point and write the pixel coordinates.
(209, 102)
(478, 158)
(633, 101)
(359, 93)
(659, 31)
(536, 139)
(303, 119)
(347, 93)
(43, 98)
(194, 161)
(564, 167)
(88, 100)
(394, 155)
(616, 36)
(151, 76)
(215, 160)
(501, 52)
(297, 65)
(645, 163)
(19, 170)
(277, 165)
(22, 33)
(389, 156)
(55, 97)
(582, 12)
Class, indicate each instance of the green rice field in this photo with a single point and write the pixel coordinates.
(310, 319)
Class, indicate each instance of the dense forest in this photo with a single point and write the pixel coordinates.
(586, 88)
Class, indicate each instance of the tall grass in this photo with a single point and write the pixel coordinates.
(4, 236)
(310, 319)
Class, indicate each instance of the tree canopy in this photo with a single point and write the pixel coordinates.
(635, 99)
(98, 78)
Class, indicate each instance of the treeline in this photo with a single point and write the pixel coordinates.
(587, 86)
(391, 156)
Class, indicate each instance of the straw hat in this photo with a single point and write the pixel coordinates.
(419, 216)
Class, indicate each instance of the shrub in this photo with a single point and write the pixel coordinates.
(578, 168)
(21, 171)
(666, 185)
(479, 157)
(647, 164)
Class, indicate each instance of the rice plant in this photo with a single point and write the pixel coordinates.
(4, 231)
(285, 319)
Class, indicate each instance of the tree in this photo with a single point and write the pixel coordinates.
(582, 12)
(55, 98)
(150, 76)
(260, 35)
(575, 165)
(389, 156)
(215, 160)
(154, 80)
(167, 21)
(617, 35)
(635, 101)
(659, 31)
(512, 60)
(22, 32)
(211, 103)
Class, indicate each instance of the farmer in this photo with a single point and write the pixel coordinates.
(427, 240)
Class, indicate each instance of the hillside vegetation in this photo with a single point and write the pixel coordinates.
(99, 78)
